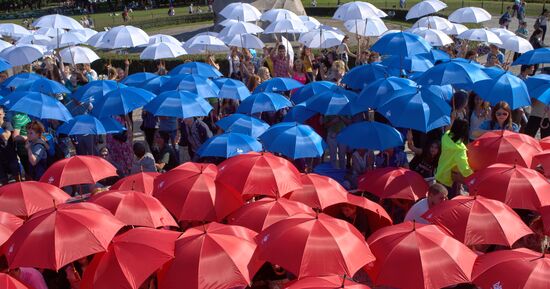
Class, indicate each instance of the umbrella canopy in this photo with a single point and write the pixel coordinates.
(197, 68)
(50, 32)
(504, 87)
(261, 214)
(123, 37)
(453, 72)
(45, 86)
(326, 282)
(415, 63)
(394, 183)
(19, 79)
(321, 38)
(515, 43)
(26, 198)
(263, 101)
(82, 125)
(122, 265)
(381, 136)
(518, 187)
(480, 35)
(135, 208)
(22, 54)
(197, 84)
(301, 242)
(360, 76)
(239, 28)
(401, 43)
(78, 170)
(456, 29)
(293, 140)
(38, 105)
(432, 36)
(87, 32)
(470, 15)
(248, 41)
(13, 30)
(368, 27)
(286, 26)
(334, 101)
(190, 193)
(67, 39)
(539, 87)
(228, 145)
(8, 282)
(95, 40)
(383, 89)
(477, 220)
(275, 14)
(241, 12)
(299, 113)
(163, 38)
(369, 216)
(95, 90)
(254, 174)
(57, 21)
(4, 45)
(244, 124)
(54, 237)
(205, 43)
(502, 147)
(536, 56)
(433, 22)
(78, 54)
(162, 50)
(232, 89)
(307, 91)
(423, 8)
(319, 192)
(518, 268)
(212, 256)
(141, 182)
(426, 250)
(121, 101)
(37, 39)
(180, 104)
(357, 10)
(138, 79)
(278, 84)
(8, 224)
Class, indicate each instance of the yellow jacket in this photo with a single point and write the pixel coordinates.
(453, 157)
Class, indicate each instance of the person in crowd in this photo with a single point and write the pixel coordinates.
(211, 59)
(255, 80)
(437, 194)
(90, 74)
(247, 67)
(194, 132)
(299, 72)
(149, 126)
(501, 119)
(37, 150)
(281, 63)
(165, 157)
(30, 277)
(234, 60)
(521, 12)
(343, 51)
(480, 112)
(336, 72)
(19, 122)
(264, 74)
(355, 216)
(459, 105)
(541, 23)
(495, 52)
(505, 18)
(337, 151)
(392, 157)
(9, 165)
(168, 126)
(374, 57)
(363, 58)
(471, 55)
(310, 65)
(453, 165)
(120, 144)
(538, 120)
(425, 160)
(362, 160)
(144, 161)
(522, 30)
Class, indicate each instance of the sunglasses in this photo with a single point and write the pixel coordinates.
(501, 114)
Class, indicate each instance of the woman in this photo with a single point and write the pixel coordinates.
(480, 111)
(309, 62)
(344, 52)
(211, 60)
(254, 81)
(336, 72)
(453, 165)
(234, 64)
(120, 146)
(541, 23)
(264, 74)
(299, 72)
(426, 162)
(37, 150)
(501, 119)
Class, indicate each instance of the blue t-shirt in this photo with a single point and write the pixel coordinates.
(486, 125)
(168, 124)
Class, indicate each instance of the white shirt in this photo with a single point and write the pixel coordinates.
(417, 210)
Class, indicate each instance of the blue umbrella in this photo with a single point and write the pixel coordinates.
(452, 72)
(37, 104)
(422, 111)
(18, 79)
(197, 68)
(444, 91)
(228, 145)
(4, 65)
(504, 87)
(539, 87)
(402, 44)
(82, 125)
(121, 101)
(278, 84)
(293, 140)
(95, 89)
(381, 90)
(299, 113)
(181, 104)
(155, 85)
(336, 101)
(436, 55)
(360, 76)
(536, 56)
(263, 101)
(197, 84)
(380, 136)
(45, 86)
(411, 63)
(138, 79)
(310, 89)
(493, 72)
(231, 88)
(112, 125)
(241, 123)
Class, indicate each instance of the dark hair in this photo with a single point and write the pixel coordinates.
(524, 67)
(426, 154)
(139, 149)
(470, 53)
(437, 188)
(544, 11)
(36, 126)
(281, 46)
(460, 130)
(505, 106)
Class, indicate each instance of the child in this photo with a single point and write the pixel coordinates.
(37, 150)
(144, 161)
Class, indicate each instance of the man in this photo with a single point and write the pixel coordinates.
(165, 157)
(9, 165)
(281, 62)
(505, 18)
(437, 193)
(194, 132)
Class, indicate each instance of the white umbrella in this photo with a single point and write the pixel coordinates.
(96, 39)
(13, 30)
(204, 43)
(124, 37)
(273, 15)
(367, 27)
(162, 50)
(515, 43)
(357, 10)
(22, 54)
(432, 36)
(241, 11)
(433, 22)
(470, 15)
(51, 32)
(480, 34)
(288, 45)
(321, 38)
(310, 22)
(244, 41)
(425, 8)
(286, 26)
(78, 54)
(87, 32)
(35, 39)
(455, 29)
(4, 45)
(158, 38)
(501, 32)
(240, 28)
(57, 21)
(67, 39)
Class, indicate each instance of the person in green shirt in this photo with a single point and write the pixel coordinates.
(19, 123)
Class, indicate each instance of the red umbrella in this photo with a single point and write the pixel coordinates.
(52, 238)
(78, 170)
(141, 182)
(190, 193)
(130, 259)
(518, 187)
(259, 174)
(502, 147)
(319, 192)
(432, 258)
(135, 208)
(325, 282)
(8, 282)
(543, 159)
(477, 220)
(26, 198)
(394, 183)
(375, 215)
(314, 246)
(545, 215)
(8, 224)
(514, 269)
(263, 213)
(545, 143)
(213, 256)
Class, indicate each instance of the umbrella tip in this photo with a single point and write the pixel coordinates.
(54, 204)
(414, 225)
(343, 281)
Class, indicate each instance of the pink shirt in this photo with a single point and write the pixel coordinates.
(32, 278)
